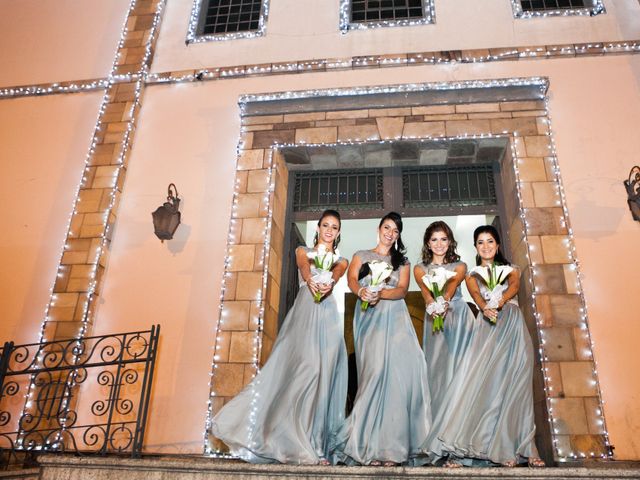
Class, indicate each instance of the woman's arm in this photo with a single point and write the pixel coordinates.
(451, 286)
(336, 272)
(474, 291)
(400, 291)
(352, 274)
(512, 289)
(302, 261)
(418, 273)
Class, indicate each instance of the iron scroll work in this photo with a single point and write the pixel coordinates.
(86, 396)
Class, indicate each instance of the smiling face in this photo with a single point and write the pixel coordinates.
(439, 243)
(487, 247)
(328, 230)
(388, 233)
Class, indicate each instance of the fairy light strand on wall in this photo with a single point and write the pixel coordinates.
(335, 64)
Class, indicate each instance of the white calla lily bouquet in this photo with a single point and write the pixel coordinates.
(323, 261)
(435, 281)
(380, 271)
(493, 277)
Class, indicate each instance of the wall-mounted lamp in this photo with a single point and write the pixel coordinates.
(166, 218)
(633, 192)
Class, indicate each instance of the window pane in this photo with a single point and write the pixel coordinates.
(389, 10)
(229, 16)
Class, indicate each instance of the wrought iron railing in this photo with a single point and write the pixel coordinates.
(88, 395)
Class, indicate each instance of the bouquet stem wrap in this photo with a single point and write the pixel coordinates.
(493, 276)
(323, 261)
(380, 271)
(435, 281)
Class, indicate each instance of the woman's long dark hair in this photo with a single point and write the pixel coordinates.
(398, 249)
(427, 255)
(499, 259)
(329, 213)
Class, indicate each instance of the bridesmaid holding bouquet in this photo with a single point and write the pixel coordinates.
(287, 413)
(391, 413)
(445, 350)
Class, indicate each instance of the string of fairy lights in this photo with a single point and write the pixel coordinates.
(584, 325)
(598, 414)
(94, 256)
(596, 8)
(334, 64)
(542, 83)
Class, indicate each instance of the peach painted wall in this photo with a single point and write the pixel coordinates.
(43, 145)
(188, 135)
(307, 29)
(58, 40)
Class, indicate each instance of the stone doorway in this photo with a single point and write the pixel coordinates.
(536, 224)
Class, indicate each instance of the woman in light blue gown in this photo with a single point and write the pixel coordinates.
(287, 413)
(493, 420)
(391, 413)
(445, 351)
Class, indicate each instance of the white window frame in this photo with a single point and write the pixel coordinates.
(596, 8)
(194, 21)
(428, 17)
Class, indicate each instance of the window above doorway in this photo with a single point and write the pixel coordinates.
(227, 19)
(543, 8)
(362, 14)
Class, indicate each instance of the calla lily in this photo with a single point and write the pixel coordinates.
(435, 281)
(323, 261)
(493, 276)
(380, 271)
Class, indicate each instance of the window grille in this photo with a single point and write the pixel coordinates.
(362, 14)
(543, 8)
(538, 5)
(355, 189)
(469, 185)
(231, 16)
(386, 10)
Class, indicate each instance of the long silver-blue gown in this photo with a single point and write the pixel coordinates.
(391, 413)
(446, 353)
(288, 411)
(493, 417)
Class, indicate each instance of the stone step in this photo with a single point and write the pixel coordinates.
(26, 474)
(64, 467)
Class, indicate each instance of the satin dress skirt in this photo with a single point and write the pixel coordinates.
(446, 351)
(287, 413)
(391, 415)
(487, 413)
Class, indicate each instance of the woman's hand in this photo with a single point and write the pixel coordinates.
(490, 313)
(324, 288)
(313, 286)
(367, 295)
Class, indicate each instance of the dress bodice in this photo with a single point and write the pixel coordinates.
(448, 266)
(368, 256)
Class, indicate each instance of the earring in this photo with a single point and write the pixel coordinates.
(396, 244)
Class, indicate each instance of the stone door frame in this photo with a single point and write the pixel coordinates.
(566, 393)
